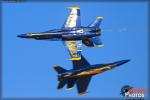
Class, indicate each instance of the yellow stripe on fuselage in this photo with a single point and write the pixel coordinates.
(30, 34)
(95, 71)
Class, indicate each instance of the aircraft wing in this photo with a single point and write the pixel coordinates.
(82, 84)
(80, 63)
(73, 19)
(74, 48)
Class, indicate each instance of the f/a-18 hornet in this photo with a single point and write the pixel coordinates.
(72, 34)
(82, 73)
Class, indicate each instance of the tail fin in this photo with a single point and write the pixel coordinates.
(59, 69)
(96, 22)
(96, 40)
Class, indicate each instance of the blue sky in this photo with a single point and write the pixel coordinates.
(28, 64)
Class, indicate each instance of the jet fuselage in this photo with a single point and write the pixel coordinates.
(64, 34)
(90, 70)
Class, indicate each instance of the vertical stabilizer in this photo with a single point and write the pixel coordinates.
(96, 22)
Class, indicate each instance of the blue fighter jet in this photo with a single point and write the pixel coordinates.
(72, 34)
(82, 73)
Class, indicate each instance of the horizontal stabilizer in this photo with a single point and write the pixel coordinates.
(88, 42)
(61, 84)
(97, 41)
(70, 83)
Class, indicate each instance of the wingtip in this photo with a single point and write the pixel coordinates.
(83, 93)
(100, 17)
(75, 59)
(74, 7)
(55, 66)
(69, 88)
(100, 46)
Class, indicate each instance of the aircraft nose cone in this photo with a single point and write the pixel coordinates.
(122, 62)
(22, 36)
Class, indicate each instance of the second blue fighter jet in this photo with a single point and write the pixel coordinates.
(72, 34)
(82, 73)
